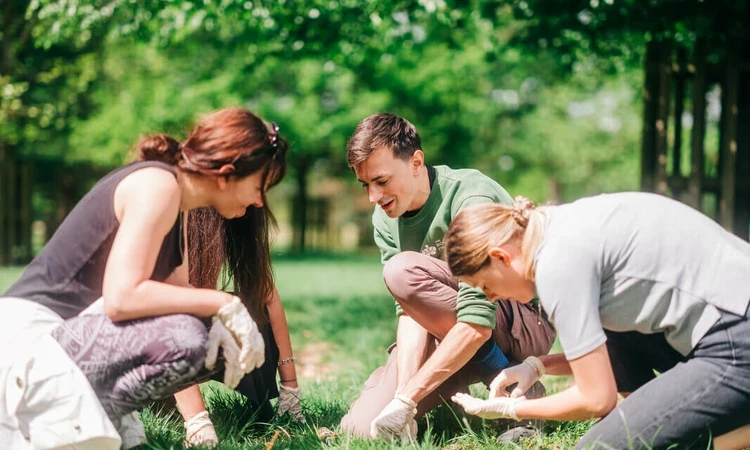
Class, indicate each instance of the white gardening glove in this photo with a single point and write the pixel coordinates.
(396, 420)
(494, 408)
(237, 320)
(200, 431)
(525, 374)
(219, 336)
(289, 403)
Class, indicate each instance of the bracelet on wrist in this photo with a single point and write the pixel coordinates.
(285, 361)
(293, 380)
(535, 364)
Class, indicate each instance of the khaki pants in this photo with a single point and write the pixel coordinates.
(426, 290)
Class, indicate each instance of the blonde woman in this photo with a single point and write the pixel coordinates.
(633, 283)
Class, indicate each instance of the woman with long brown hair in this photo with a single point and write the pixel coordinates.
(216, 259)
(67, 378)
(635, 284)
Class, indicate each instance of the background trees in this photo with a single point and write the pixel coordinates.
(545, 96)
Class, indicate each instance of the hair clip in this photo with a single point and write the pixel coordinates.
(274, 134)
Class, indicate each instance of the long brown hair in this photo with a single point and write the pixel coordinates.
(231, 142)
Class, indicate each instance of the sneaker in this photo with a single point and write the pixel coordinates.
(525, 428)
(131, 430)
(515, 434)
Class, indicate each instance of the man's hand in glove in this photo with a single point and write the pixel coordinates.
(396, 419)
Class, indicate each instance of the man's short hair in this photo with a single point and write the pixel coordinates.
(382, 130)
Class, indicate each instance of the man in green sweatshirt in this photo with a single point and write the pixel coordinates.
(449, 335)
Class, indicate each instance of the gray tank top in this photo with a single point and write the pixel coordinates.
(68, 274)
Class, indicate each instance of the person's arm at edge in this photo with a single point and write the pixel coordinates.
(556, 364)
(280, 329)
(593, 395)
(459, 345)
(145, 219)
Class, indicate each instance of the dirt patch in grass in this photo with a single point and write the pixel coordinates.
(313, 362)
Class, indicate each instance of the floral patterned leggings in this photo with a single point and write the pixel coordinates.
(136, 362)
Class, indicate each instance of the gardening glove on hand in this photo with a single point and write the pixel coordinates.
(200, 431)
(525, 374)
(289, 403)
(219, 336)
(396, 420)
(237, 320)
(494, 408)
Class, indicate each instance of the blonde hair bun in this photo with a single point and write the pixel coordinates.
(522, 208)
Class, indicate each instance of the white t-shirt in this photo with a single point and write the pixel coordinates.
(638, 262)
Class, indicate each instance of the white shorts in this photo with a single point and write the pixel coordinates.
(45, 400)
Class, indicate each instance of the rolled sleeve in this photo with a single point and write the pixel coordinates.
(473, 307)
(568, 284)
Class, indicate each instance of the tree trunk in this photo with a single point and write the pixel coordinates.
(698, 133)
(729, 111)
(662, 121)
(650, 112)
(11, 211)
(66, 198)
(25, 214)
(299, 206)
(4, 205)
(555, 189)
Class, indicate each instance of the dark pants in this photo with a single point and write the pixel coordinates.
(135, 363)
(694, 399)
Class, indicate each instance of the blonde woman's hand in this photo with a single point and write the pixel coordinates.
(525, 374)
(494, 408)
(243, 328)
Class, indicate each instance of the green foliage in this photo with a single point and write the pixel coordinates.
(582, 139)
(616, 31)
(40, 90)
(8, 275)
(456, 70)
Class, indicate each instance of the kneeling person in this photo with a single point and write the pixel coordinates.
(449, 334)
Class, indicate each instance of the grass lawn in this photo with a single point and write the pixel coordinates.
(342, 321)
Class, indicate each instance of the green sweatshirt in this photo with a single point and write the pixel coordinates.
(452, 191)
